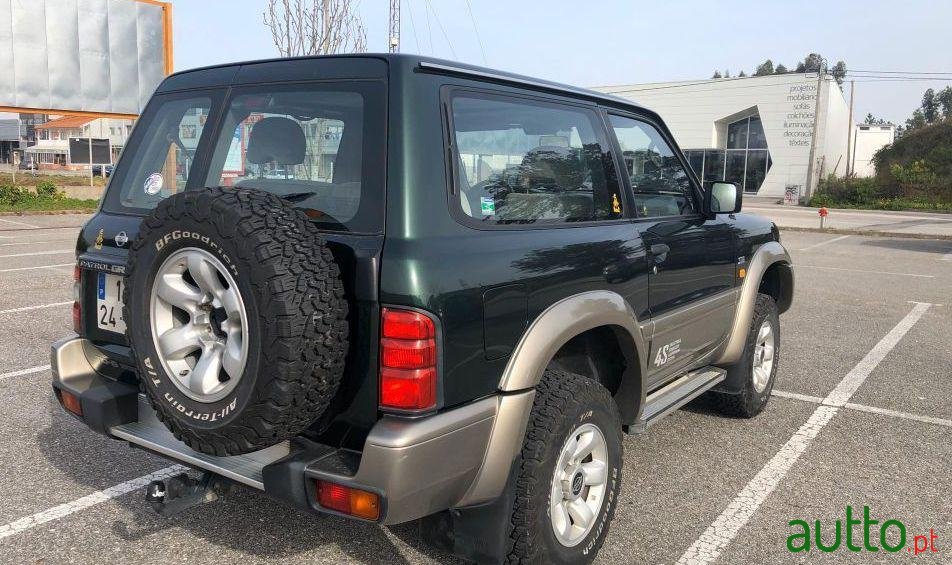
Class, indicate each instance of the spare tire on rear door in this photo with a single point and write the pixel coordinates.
(237, 318)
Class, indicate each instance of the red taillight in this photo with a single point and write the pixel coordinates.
(407, 360)
(347, 500)
(407, 324)
(77, 310)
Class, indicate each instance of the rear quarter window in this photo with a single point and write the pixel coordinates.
(520, 161)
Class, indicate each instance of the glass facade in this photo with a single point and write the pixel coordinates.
(745, 160)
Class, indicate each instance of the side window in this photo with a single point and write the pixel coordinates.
(526, 162)
(659, 182)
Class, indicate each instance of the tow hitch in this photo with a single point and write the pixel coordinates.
(181, 492)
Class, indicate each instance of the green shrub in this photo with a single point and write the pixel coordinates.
(919, 164)
(47, 189)
(11, 194)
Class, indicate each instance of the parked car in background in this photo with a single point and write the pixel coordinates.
(102, 170)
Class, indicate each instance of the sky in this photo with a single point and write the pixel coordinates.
(606, 42)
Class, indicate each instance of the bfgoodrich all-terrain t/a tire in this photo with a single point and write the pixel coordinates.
(567, 485)
(237, 319)
(757, 369)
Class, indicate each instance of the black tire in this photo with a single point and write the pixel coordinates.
(296, 311)
(564, 401)
(747, 402)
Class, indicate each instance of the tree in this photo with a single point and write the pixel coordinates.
(727, 73)
(315, 27)
(810, 64)
(717, 74)
(873, 120)
(917, 120)
(765, 68)
(742, 73)
(945, 99)
(930, 106)
(781, 70)
(839, 72)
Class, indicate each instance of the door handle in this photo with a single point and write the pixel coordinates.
(659, 252)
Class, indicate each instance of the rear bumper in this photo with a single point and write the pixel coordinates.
(417, 466)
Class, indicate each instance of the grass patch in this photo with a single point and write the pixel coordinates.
(24, 178)
(896, 204)
(49, 205)
(43, 197)
(871, 194)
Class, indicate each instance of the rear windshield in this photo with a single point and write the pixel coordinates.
(319, 146)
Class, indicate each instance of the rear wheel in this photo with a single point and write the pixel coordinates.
(570, 472)
(757, 369)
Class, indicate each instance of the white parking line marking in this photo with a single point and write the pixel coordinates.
(799, 265)
(85, 502)
(34, 242)
(863, 408)
(23, 372)
(897, 414)
(797, 396)
(18, 223)
(40, 267)
(54, 252)
(739, 511)
(824, 242)
(28, 308)
(947, 257)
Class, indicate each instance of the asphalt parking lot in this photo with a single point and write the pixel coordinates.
(862, 417)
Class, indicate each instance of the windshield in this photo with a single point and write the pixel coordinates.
(317, 146)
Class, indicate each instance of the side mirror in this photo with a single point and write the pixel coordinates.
(722, 198)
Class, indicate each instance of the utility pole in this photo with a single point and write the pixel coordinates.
(849, 132)
(811, 166)
(394, 40)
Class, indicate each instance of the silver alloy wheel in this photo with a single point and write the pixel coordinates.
(763, 356)
(579, 485)
(199, 324)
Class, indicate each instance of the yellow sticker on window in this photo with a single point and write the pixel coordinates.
(616, 205)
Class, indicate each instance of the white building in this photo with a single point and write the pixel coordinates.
(754, 131)
(870, 138)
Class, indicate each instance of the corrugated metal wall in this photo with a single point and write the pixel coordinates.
(89, 55)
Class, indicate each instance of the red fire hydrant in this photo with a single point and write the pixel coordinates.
(823, 214)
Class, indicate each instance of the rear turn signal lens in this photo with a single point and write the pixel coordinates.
(71, 402)
(407, 360)
(347, 500)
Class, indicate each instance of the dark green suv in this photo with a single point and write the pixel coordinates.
(394, 288)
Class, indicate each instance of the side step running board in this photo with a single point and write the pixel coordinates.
(151, 434)
(669, 398)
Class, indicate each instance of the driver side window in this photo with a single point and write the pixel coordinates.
(660, 184)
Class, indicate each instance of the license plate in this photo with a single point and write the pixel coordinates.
(109, 303)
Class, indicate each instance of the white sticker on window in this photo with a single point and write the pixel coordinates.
(487, 205)
(153, 183)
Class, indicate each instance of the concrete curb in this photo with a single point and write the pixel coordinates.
(870, 233)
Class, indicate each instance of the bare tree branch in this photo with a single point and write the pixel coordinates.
(315, 27)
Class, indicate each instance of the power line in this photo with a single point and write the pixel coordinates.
(717, 82)
(479, 39)
(442, 29)
(901, 72)
(416, 40)
(907, 79)
(429, 30)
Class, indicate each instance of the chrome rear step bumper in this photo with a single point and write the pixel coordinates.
(150, 433)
